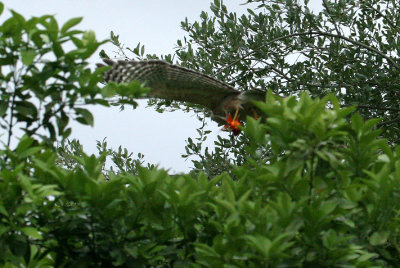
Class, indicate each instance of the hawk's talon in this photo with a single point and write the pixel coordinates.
(236, 114)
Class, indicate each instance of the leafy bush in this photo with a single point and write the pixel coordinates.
(327, 196)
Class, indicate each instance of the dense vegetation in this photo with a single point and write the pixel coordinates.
(316, 184)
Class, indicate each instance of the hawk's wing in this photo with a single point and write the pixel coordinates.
(172, 82)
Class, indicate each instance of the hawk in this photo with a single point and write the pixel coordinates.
(176, 83)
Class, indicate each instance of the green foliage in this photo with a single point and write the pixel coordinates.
(312, 185)
(45, 78)
(327, 195)
(348, 48)
(119, 161)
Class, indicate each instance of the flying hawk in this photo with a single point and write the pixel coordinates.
(172, 82)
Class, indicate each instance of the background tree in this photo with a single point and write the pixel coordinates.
(349, 48)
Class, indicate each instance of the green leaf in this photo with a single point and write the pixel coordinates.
(379, 238)
(103, 54)
(29, 152)
(19, 17)
(69, 24)
(357, 121)
(18, 244)
(108, 91)
(3, 229)
(50, 23)
(66, 133)
(26, 109)
(254, 130)
(47, 190)
(57, 49)
(142, 51)
(28, 56)
(46, 167)
(206, 250)
(3, 107)
(89, 37)
(87, 117)
(45, 38)
(24, 144)
(227, 187)
(32, 232)
(3, 210)
(226, 205)
(260, 243)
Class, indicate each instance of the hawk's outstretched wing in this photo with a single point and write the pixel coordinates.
(172, 82)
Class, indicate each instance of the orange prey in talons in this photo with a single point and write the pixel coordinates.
(233, 123)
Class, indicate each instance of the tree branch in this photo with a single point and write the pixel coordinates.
(317, 33)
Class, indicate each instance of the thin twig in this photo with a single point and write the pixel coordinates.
(388, 122)
(385, 17)
(276, 70)
(328, 10)
(377, 108)
(11, 125)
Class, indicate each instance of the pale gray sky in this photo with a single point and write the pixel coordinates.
(156, 24)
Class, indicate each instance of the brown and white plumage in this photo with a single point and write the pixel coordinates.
(172, 82)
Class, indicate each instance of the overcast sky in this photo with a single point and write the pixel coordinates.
(156, 24)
